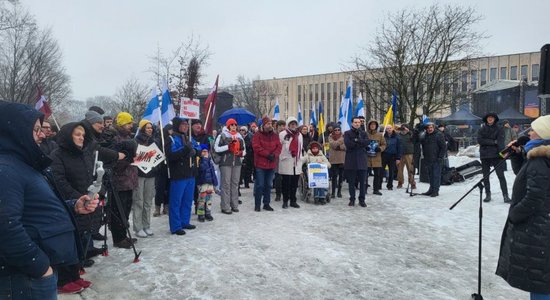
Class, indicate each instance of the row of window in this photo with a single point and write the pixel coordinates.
(503, 75)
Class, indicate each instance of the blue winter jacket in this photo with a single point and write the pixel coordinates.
(207, 173)
(36, 228)
(393, 145)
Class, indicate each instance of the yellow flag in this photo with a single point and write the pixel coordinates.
(388, 119)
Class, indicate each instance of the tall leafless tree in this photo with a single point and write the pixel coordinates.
(132, 97)
(420, 55)
(256, 96)
(30, 57)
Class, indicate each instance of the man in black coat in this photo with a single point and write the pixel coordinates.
(491, 140)
(356, 141)
(433, 149)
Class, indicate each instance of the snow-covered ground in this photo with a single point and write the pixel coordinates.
(399, 247)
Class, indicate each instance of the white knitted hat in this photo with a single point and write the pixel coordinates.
(542, 127)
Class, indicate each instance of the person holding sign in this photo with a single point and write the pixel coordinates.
(144, 193)
(315, 155)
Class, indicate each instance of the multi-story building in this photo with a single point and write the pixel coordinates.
(307, 90)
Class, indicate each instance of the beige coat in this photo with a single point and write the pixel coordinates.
(376, 161)
(337, 151)
(289, 165)
(316, 159)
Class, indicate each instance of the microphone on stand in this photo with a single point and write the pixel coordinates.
(521, 141)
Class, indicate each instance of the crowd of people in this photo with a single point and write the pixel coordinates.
(271, 153)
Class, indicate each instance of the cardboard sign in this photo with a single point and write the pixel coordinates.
(148, 157)
(317, 175)
(190, 108)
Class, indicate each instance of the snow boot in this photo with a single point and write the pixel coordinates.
(487, 197)
(285, 204)
(339, 195)
(165, 209)
(351, 202)
(362, 203)
(507, 199)
(156, 213)
(277, 197)
(209, 217)
(201, 218)
(294, 204)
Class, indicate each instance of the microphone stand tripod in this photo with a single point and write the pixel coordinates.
(480, 186)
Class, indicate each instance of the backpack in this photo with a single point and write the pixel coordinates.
(216, 157)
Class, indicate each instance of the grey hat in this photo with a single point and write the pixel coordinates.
(93, 117)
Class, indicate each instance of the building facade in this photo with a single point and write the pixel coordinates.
(308, 90)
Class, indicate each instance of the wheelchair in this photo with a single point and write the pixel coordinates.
(307, 193)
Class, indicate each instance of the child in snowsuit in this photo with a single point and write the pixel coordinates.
(315, 155)
(206, 183)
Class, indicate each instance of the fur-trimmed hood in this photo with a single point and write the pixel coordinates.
(540, 151)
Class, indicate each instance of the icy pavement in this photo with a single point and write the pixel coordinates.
(399, 247)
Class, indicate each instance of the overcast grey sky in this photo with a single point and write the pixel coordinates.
(105, 42)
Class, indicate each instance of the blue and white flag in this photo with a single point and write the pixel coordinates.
(167, 109)
(347, 108)
(300, 117)
(360, 109)
(425, 119)
(312, 115)
(276, 110)
(152, 111)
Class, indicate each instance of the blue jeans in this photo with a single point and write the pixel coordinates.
(536, 296)
(434, 173)
(319, 193)
(22, 287)
(181, 200)
(262, 186)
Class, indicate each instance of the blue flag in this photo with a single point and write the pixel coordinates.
(167, 109)
(300, 117)
(152, 111)
(312, 115)
(276, 110)
(360, 108)
(347, 108)
(394, 106)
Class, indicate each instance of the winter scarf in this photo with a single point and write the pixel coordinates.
(234, 147)
(294, 150)
(534, 143)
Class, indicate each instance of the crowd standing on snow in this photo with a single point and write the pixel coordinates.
(200, 165)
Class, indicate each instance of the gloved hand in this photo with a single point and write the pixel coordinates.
(271, 157)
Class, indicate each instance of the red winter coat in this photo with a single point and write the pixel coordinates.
(264, 144)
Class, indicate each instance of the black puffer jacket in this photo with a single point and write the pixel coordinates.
(73, 169)
(491, 141)
(433, 146)
(524, 260)
(180, 154)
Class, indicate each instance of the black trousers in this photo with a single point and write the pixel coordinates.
(336, 176)
(278, 183)
(162, 187)
(290, 182)
(118, 230)
(389, 160)
(359, 176)
(486, 164)
(378, 174)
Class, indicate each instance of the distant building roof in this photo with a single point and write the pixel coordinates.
(498, 85)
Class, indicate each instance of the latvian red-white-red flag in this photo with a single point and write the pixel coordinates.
(210, 108)
(42, 105)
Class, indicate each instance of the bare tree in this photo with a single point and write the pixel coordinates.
(29, 58)
(419, 54)
(132, 97)
(256, 96)
(73, 111)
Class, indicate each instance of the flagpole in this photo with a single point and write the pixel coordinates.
(162, 139)
(55, 121)
(208, 114)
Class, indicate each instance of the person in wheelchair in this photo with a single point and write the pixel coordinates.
(315, 155)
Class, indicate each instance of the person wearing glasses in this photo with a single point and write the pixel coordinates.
(37, 227)
(230, 144)
(47, 145)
